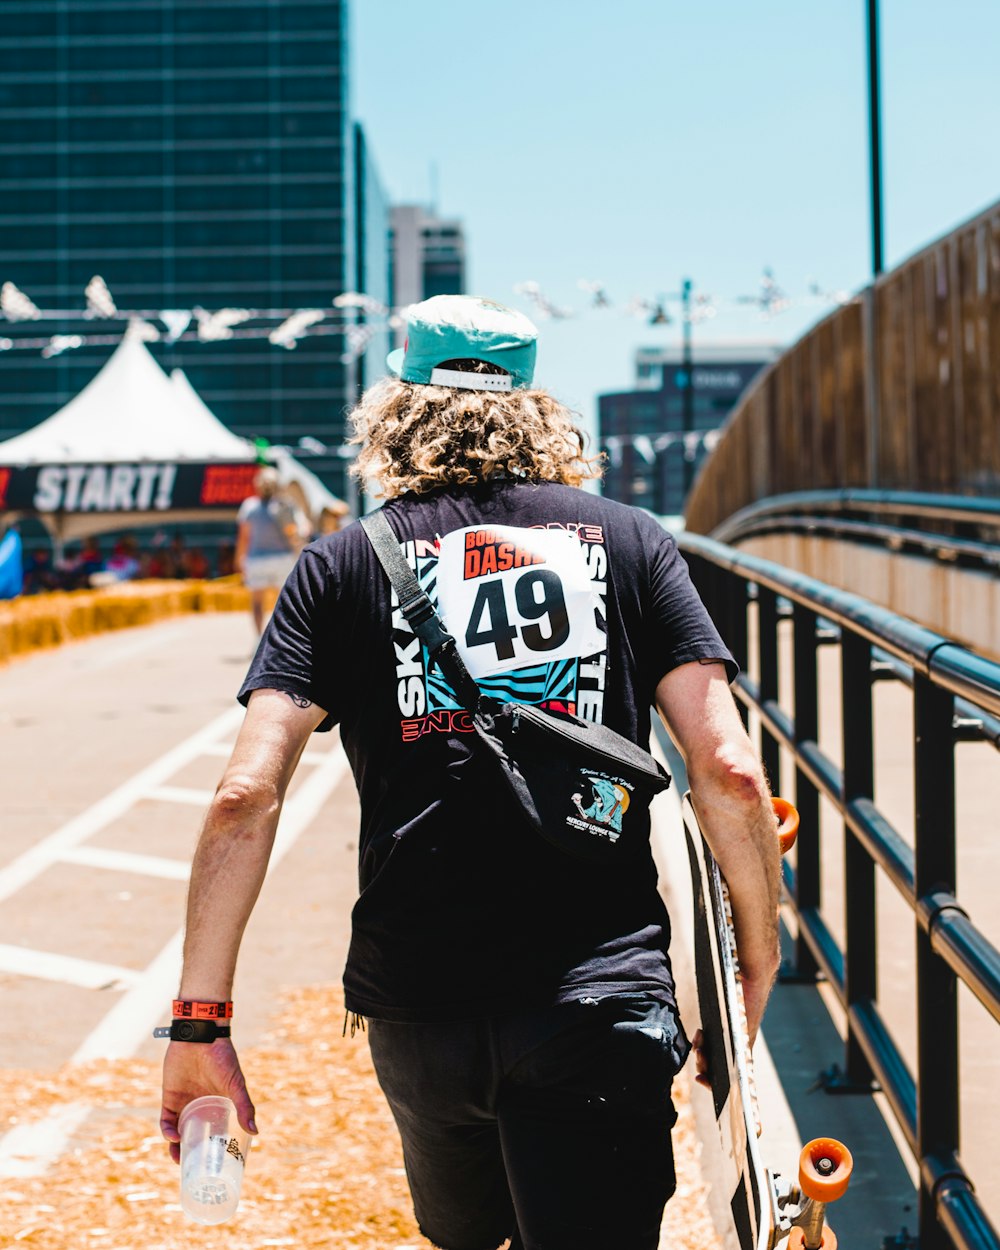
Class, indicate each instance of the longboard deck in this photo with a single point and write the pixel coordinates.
(733, 1144)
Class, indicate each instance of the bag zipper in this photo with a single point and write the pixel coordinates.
(552, 726)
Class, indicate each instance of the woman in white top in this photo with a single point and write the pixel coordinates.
(270, 536)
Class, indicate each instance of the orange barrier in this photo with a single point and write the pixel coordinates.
(50, 619)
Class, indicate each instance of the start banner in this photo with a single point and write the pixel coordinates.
(140, 487)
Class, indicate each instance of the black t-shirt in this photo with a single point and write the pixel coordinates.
(556, 597)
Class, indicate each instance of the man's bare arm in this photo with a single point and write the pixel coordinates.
(237, 836)
(733, 804)
(228, 870)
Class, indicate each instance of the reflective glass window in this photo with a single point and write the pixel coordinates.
(115, 93)
(207, 18)
(128, 164)
(28, 165)
(119, 200)
(311, 230)
(309, 52)
(231, 125)
(30, 59)
(232, 54)
(326, 85)
(324, 122)
(94, 57)
(221, 197)
(20, 200)
(238, 158)
(118, 21)
(138, 126)
(320, 194)
(31, 21)
(28, 95)
(209, 89)
(31, 129)
(308, 160)
(317, 17)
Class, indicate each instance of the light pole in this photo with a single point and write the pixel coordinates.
(875, 137)
(687, 365)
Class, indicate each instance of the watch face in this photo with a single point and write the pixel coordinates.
(186, 1030)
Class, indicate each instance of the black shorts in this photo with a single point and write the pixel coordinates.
(549, 1127)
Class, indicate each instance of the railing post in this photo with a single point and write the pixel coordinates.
(807, 858)
(735, 633)
(937, 997)
(860, 954)
(767, 652)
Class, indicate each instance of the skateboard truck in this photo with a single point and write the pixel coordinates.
(825, 1167)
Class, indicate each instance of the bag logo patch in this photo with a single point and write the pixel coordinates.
(610, 797)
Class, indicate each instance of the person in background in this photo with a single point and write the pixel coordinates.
(225, 560)
(195, 563)
(520, 1003)
(39, 575)
(123, 563)
(269, 537)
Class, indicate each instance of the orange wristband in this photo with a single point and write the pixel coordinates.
(185, 1009)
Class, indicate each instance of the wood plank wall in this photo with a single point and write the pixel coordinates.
(897, 390)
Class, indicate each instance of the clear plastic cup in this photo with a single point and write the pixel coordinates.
(213, 1155)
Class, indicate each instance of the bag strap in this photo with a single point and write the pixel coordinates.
(419, 611)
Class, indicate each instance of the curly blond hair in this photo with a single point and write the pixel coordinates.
(416, 437)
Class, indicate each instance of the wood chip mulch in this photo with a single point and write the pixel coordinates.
(326, 1170)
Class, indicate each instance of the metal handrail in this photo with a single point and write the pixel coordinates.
(952, 509)
(948, 682)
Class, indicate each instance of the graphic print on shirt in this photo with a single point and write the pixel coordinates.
(527, 609)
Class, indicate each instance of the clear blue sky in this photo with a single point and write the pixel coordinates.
(650, 140)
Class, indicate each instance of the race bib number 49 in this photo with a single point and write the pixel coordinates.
(516, 597)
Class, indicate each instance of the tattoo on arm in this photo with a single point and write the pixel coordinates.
(298, 700)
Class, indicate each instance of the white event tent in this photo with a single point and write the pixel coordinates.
(136, 447)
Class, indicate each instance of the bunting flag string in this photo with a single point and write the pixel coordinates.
(181, 325)
(649, 448)
(355, 315)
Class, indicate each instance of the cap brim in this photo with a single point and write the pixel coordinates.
(394, 361)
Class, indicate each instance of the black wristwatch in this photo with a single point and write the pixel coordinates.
(193, 1031)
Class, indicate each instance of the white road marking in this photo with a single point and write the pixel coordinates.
(48, 966)
(181, 794)
(221, 749)
(29, 1149)
(23, 870)
(127, 861)
(134, 1016)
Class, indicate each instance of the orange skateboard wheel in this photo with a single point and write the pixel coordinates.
(825, 1168)
(788, 823)
(797, 1239)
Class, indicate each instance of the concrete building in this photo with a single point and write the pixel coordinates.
(652, 457)
(193, 154)
(428, 255)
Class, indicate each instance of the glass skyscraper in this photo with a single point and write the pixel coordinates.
(192, 153)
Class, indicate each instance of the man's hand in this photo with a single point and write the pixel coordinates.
(702, 1065)
(193, 1069)
(755, 995)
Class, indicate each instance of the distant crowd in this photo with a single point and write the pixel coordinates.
(87, 564)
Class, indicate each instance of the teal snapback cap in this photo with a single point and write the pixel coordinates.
(465, 327)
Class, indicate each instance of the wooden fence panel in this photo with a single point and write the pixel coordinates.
(933, 365)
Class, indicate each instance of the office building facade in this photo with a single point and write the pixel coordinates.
(652, 455)
(194, 155)
(428, 255)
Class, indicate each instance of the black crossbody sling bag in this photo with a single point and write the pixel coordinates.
(583, 787)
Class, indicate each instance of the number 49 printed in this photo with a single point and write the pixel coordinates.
(517, 597)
